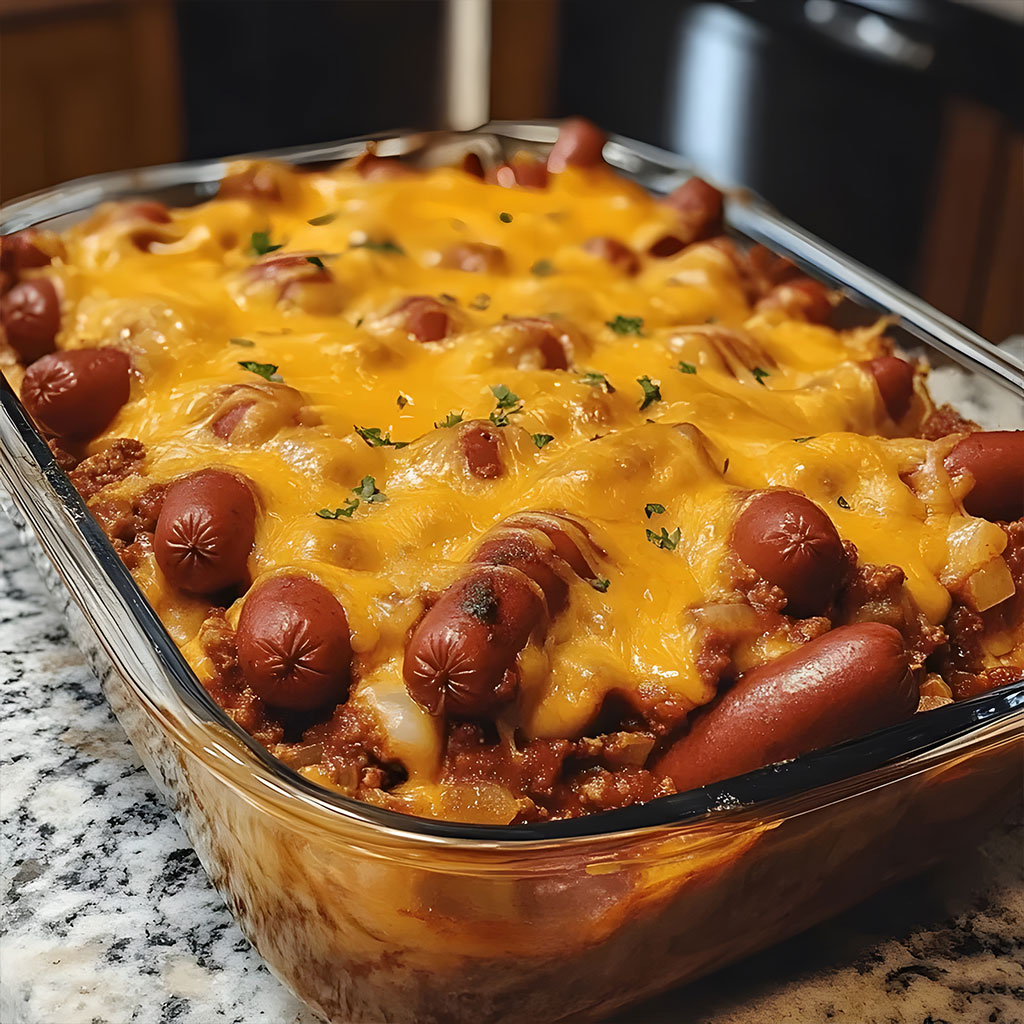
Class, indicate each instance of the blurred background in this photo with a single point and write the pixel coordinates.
(892, 128)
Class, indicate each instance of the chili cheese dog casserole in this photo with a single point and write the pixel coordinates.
(515, 494)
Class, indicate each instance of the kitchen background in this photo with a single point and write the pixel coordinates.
(892, 128)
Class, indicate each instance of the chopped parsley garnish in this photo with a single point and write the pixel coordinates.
(316, 261)
(505, 218)
(450, 420)
(543, 268)
(725, 468)
(351, 504)
(260, 244)
(376, 439)
(652, 391)
(382, 246)
(652, 508)
(601, 584)
(324, 218)
(843, 503)
(665, 540)
(540, 440)
(627, 325)
(508, 405)
(242, 342)
(684, 367)
(482, 301)
(402, 400)
(268, 371)
(759, 375)
(446, 297)
(598, 380)
(359, 322)
(804, 440)
(366, 492)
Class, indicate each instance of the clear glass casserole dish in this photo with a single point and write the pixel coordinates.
(370, 915)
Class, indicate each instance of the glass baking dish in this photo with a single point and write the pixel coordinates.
(370, 915)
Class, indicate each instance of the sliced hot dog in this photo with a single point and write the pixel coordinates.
(205, 532)
(294, 646)
(423, 317)
(792, 544)
(612, 251)
(77, 393)
(995, 461)
(844, 684)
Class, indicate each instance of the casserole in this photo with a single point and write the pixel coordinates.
(410, 919)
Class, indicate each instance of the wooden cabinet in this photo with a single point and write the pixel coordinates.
(85, 87)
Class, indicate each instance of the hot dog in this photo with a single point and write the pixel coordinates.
(792, 544)
(476, 258)
(612, 251)
(205, 532)
(460, 659)
(895, 380)
(699, 206)
(579, 144)
(995, 461)
(423, 317)
(481, 444)
(799, 297)
(294, 646)
(30, 313)
(76, 394)
(844, 684)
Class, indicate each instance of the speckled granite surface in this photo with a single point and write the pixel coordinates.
(107, 917)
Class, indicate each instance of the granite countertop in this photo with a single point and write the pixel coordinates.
(107, 917)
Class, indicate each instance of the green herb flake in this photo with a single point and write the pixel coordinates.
(540, 440)
(506, 399)
(725, 468)
(260, 244)
(684, 367)
(402, 400)
(543, 268)
(367, 491)
(665, 540)
(481, 302)
(759, 375)
(627, 325)
(652, 391)
(843, 503)
(385, 246)
(601, 584)
(324, 218)
(804, 440)
(375, 438)
(242, 342)
(447, 297)
(598, 380)
(505, 218)
(450, 420)
(653, 509)
(351, 504)
(316, 261)
(268, 371)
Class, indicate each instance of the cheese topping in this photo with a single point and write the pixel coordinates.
(677, 394)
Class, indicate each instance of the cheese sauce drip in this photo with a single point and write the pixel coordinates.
(744, 401)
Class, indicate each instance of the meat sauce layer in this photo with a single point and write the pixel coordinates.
(511, 494)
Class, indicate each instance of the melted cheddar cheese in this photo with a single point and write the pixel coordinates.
(744, 401)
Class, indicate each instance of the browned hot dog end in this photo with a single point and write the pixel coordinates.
(579, 144)
(895, 380)
(460, 659)
(76, 394)
(294, 646)
(844, 684)
(30, 313)
(792, 544)
(205, 532)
